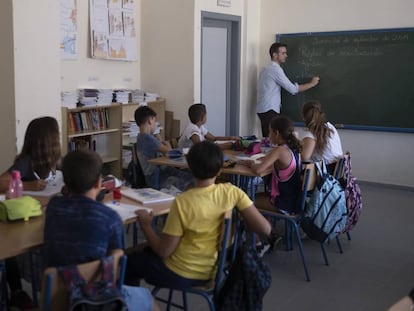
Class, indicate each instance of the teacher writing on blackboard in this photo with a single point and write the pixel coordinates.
(271, 79)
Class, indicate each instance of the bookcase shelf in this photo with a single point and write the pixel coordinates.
(97, 128)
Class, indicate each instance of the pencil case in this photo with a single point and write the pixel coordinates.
(20, 208)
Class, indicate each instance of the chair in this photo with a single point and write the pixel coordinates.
(209, 291)
(54, 295)
(292, 222)
(3, 287)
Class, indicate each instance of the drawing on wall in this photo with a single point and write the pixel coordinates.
(128, 4)
(68, 29)
(115, 4)
(116, 28)
(100, 45)
(129, 24)
(113, 33)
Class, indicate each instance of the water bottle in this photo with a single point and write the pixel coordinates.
(15, 185)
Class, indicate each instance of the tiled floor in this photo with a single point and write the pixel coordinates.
(376, 268)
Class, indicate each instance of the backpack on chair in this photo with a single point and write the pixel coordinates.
(353, 194)
(325, 214)
(102, 295)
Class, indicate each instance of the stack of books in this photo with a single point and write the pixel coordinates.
(104, 97)
(88, 97)
(69, 99)
(137, 96)
(122, 96)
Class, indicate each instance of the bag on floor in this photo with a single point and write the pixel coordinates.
(325, 214)
(92, 296)
(246, 284)
(353, 194)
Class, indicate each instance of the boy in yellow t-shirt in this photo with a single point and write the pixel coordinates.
(185, 254)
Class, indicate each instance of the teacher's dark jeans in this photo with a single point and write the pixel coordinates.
(265, 119)
(149, 266)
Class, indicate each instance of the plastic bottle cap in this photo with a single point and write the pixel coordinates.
(15, 174)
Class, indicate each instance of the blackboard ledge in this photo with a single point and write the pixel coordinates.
(366, 128)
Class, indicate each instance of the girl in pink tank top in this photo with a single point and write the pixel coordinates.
(284, 159)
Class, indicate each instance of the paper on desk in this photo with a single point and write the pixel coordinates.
(245, 157)
(54, 185)
(126, 211)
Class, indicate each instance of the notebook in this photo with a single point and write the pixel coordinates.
(147, 195)
(126, 211)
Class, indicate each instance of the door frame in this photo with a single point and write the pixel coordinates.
(233, 65)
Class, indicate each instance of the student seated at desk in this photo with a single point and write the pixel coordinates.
(36, 161)
(320, 139)
(196, 131)
(149, 147)
(285, 161)
(79, 229)
(185, 254)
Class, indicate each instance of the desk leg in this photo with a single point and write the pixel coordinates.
(4, 301)
(157, 178)
(35, 279)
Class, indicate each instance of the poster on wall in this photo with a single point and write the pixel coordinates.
(113, 33)
(68, 29)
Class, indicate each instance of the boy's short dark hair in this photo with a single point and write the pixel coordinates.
(81, 170)
(143, 113)
(274, 48)
(196, 112)
(205, 159)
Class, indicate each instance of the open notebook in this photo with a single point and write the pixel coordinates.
(126, 211)
(54, 185)
(147, 195)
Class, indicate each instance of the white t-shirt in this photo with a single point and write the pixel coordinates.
(191, 129)
(333, 149)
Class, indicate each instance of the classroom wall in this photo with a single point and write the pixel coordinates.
(167, 53)
(377, 156)
(31, 30)
(7, 115)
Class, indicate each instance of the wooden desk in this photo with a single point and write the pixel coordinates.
(20, 237)
(239, 170)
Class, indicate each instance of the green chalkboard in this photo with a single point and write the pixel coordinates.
(367, 76)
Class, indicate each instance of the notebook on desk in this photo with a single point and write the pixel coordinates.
(54, 185)
(126, 211)
(147, 195)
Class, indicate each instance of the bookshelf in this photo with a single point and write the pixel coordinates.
(97, 128)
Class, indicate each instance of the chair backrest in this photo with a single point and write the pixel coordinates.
(54, 295)
(309, 176)
(339, 168)
(227, 239)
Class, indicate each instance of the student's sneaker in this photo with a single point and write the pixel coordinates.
(262, 249)
(20, 300)
(274, 240)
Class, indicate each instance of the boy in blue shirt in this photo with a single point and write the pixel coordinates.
(149, 146)
(80, 229)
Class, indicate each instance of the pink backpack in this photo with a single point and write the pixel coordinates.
(352, 194)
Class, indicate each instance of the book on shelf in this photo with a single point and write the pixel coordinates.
(147, 195)
(126, 211)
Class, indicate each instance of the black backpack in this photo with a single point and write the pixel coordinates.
(246, 284)
(102, 295)
(134, 176)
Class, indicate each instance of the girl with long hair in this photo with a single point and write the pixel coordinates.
(321, 140)
(285, 161)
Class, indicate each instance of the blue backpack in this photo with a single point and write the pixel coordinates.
(325, 214)
(102, 295)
